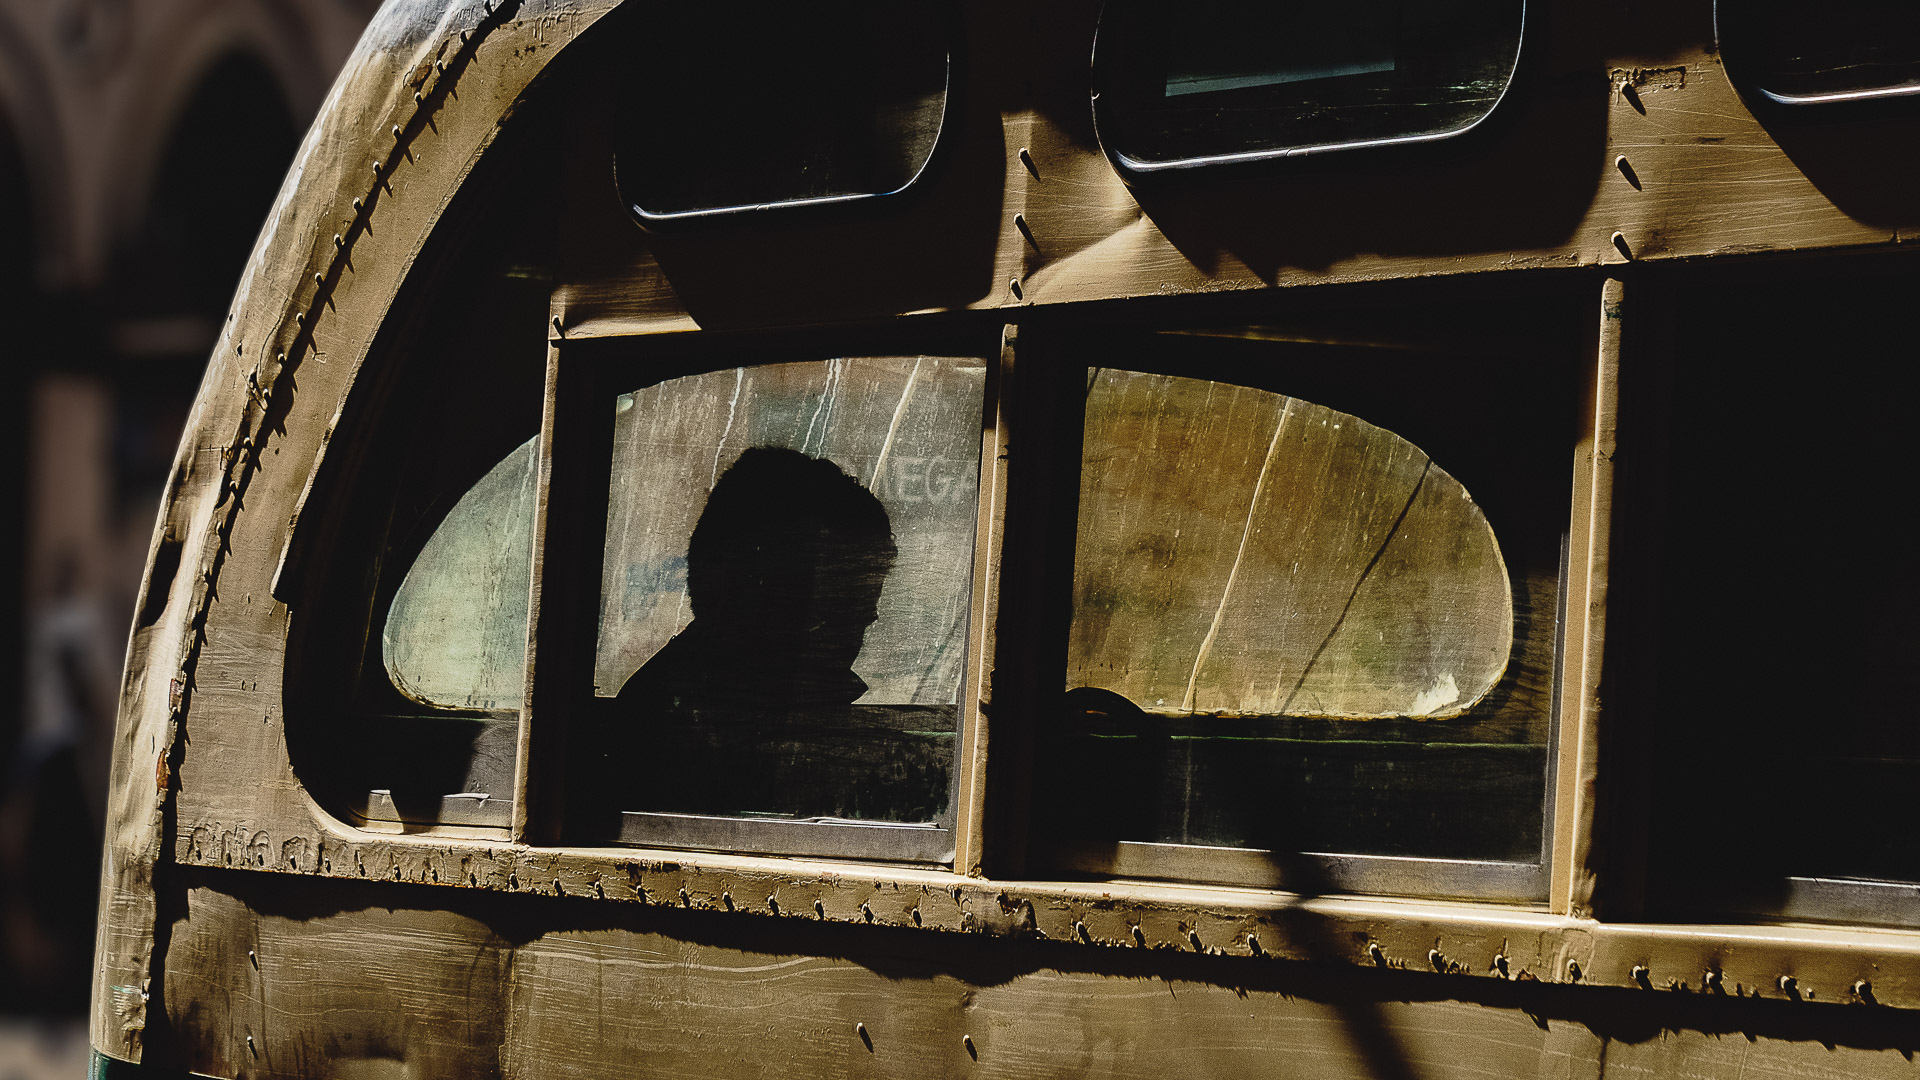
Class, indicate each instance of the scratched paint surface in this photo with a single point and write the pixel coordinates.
(1245, 553)
(906, 428)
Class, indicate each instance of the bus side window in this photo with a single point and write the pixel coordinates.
(1785, 753)
(456, 634)
(785, 593)
(1293, 630)
(1216, 82)
(782, 105)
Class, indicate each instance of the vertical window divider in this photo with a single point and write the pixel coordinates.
(977, 685)
(576, 432)
(1571, 885)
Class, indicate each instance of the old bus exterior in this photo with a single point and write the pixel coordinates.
(662, 472)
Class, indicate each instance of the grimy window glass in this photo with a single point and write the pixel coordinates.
(1296, 630)
(1839, 51)
(780, 104)
(1222, 80)
(785, 589)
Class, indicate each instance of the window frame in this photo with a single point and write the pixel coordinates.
(584, 376)
(1063, 354)
(334, 638)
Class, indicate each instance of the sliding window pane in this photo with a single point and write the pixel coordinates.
(786, 589)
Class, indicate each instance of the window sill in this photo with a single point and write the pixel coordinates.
(1457, 939)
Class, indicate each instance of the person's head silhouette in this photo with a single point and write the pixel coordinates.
(787, 562)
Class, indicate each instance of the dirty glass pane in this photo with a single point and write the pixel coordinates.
(785, 592)
(783, 104)
(1836, 51)
(1224, 79)
(1293, 629)
(456, 634)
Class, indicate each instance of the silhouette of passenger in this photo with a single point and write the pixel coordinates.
(784, 573)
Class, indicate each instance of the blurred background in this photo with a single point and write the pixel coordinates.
(141, 145)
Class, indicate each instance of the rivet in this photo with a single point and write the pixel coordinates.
(396, 131)
(556, 324)
(1253, 946)
(773, 904)
(726, 900)
(860, 1029)
(1787, 984)
(1641, 975)
(1573, 970)
(819, 909)
(1376, 953)
(1620, 242)
(376, 168)
(280, 358)
(1193, 938)
(1080, 931)
(252, 959)
(358, 202)
(440, 65)
(250, 1047)
(1139, 936)
(966, 1041)
(1014, 287)
(1500, 963)
(1435, 958)
(1020, 222)
(1711, 979)
(1621, 164)
(685, 900)
(1863, 990)
(915, 915)
(416, 97)
(319, 278)
(1026, 159)
(338, 241)
(299, 318)
(557, 890)
(866, 911)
